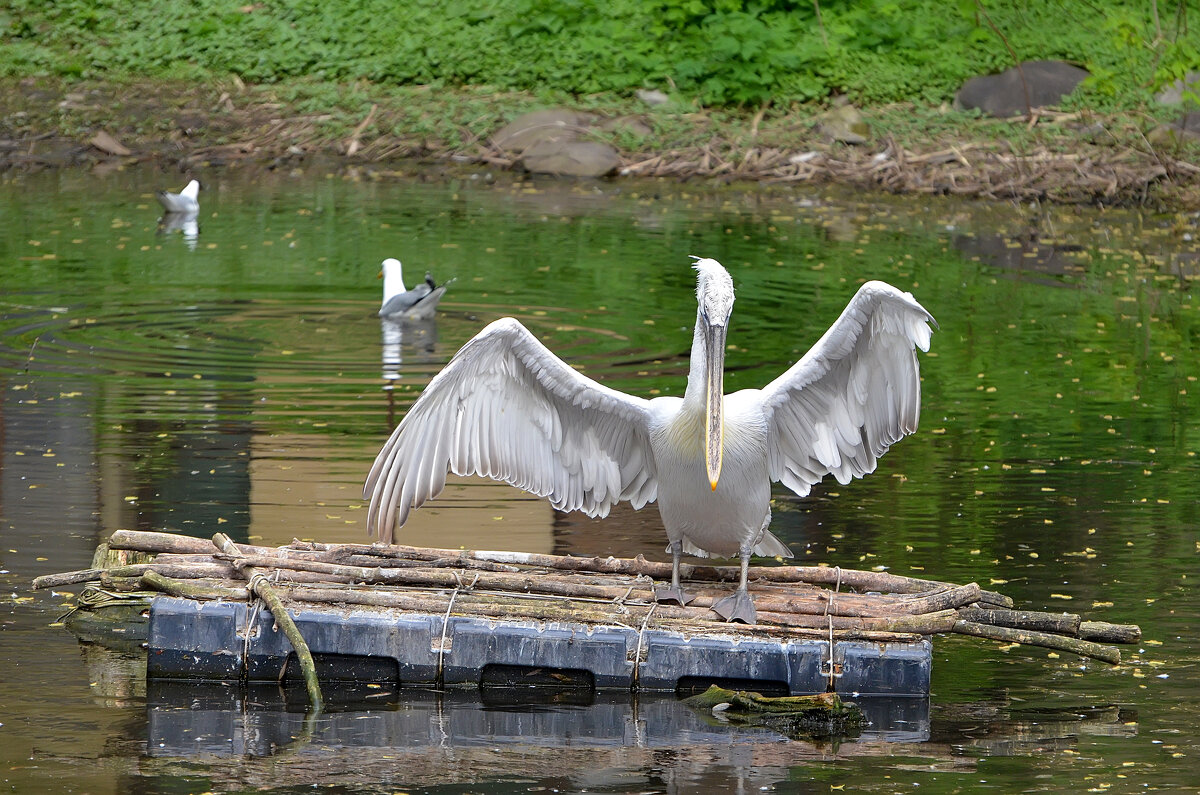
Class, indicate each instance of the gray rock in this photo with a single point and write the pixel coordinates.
(105, 142)
(631, 125)
(652, 96)
(843, 124)
(571, 158)
(1173, 94)
(562, 142)
(1189, 124)
(552, 124)
(1186, 127)
(1004, 95)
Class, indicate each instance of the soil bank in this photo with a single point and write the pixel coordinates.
(1053, 157)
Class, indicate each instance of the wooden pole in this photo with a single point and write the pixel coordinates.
(1057, 623)
(1083, 648)
(1110, 633)
(148, 541)
(263, 590)
(191, 589)
(184, 571)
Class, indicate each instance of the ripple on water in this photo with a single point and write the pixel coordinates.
(299, 356)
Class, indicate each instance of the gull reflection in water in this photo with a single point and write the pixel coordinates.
(418, 336)
(186, 223)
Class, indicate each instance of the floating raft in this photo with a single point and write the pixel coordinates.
(440, 617)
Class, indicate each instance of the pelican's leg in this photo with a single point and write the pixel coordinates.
(674, 593)
(739, 607)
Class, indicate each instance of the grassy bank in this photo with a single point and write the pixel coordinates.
(377, 82)
(711, 52)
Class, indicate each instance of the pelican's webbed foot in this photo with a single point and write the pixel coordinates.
(673, 593)
(739, 607)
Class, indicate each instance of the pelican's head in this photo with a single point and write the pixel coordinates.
(714, 294)
(191, 190)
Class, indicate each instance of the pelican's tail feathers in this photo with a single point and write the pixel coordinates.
(771, 547)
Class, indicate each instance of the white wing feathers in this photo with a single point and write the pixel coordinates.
(507, 408)
(855, 392)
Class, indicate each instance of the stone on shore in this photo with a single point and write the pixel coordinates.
(1185, 91)
(1186, 94)
(557, 141)
(535, 127)
(1004, 95)
(571, 158)
(843, 124)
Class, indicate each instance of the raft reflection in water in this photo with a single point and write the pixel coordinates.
(589, 740)
(433, 737)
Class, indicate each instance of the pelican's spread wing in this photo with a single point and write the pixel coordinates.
(853, 394)
(508, 408)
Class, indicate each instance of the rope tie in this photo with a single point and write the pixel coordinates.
(458, 579)
(93, 597)
(255, 608)
(836, 588)
(637, 657)
(828, 668)
(445, 628)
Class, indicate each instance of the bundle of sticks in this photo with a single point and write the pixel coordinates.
(791, 600)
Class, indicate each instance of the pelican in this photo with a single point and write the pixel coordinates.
(507, 408)
(418, 303)
(183, 202)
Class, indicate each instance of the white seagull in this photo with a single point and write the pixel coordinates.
(418, 303)
(183, 202)
(507, 408)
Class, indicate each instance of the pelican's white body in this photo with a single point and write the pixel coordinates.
(714, 521)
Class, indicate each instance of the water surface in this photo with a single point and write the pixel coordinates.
(237, 380)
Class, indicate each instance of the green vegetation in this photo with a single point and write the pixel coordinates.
(713, 52)
(747, 81)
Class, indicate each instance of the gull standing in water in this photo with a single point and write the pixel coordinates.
(185, 201)
(507, 408)
(418, 303)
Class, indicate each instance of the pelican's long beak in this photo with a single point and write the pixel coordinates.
(380, 276)
(714, 388)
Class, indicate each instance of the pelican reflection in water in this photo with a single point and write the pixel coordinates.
(507, 408)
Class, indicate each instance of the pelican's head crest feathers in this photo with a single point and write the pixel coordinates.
(714, 290)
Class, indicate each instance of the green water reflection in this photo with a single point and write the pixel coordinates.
(235, 382)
